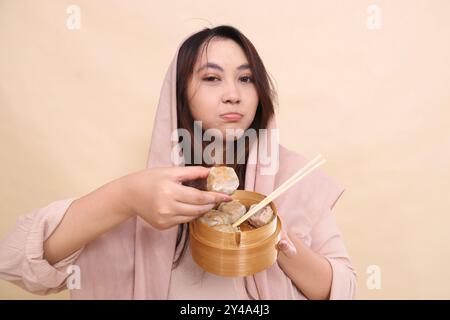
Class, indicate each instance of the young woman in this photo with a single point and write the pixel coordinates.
(129, 238)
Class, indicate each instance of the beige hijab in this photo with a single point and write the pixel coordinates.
(299, 208)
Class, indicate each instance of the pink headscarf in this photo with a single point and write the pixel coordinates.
(299, 208)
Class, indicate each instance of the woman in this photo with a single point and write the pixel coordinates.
(129, 237)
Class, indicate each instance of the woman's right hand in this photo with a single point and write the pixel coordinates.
(158, 196)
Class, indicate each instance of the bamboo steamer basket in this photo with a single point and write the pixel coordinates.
(243, 253)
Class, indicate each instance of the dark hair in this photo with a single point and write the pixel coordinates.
(187, 57)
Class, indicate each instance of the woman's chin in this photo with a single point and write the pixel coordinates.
(232, 133)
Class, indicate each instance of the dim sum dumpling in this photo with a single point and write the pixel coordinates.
(234, 208)
(226, 228)
(222, 179)
(262, 217)
(214, 217)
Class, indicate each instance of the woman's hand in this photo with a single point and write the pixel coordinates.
(158, 196)
(286, 246)
(309, 271)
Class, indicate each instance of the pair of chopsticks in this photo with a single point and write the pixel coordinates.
(310, 166)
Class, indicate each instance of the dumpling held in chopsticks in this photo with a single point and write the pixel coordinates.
(228, 213)
(234, 208)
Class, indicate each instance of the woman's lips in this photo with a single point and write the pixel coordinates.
(231, 116)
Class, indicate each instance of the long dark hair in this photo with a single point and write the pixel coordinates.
(187, 57)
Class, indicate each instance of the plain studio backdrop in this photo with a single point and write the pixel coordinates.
(365, 83)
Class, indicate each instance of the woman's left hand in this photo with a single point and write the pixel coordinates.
(285, 245)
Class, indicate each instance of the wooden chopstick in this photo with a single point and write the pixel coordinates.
(309, 167)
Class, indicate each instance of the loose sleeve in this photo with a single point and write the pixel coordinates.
(22, 251)
(327, 240)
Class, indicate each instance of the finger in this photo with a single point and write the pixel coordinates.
(190, 173)
(286, 246)
(184, 209)
(194, 196)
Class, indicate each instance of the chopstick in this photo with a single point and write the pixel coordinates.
(309, 167)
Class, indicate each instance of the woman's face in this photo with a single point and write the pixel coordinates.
(221, 92)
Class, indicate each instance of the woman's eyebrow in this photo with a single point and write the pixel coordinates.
(216, 66)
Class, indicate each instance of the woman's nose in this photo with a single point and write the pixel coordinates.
(231, 94)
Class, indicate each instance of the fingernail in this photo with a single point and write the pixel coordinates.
(282, 245)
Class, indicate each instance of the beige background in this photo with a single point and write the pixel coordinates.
(77, 106)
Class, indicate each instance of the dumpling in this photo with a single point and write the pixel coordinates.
(214, 217)
(227, 214)
(222, 179)
(234, 208)
(226, 228)
(262, 217)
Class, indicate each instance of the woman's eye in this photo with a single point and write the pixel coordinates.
(210, 79)
(247, 79)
